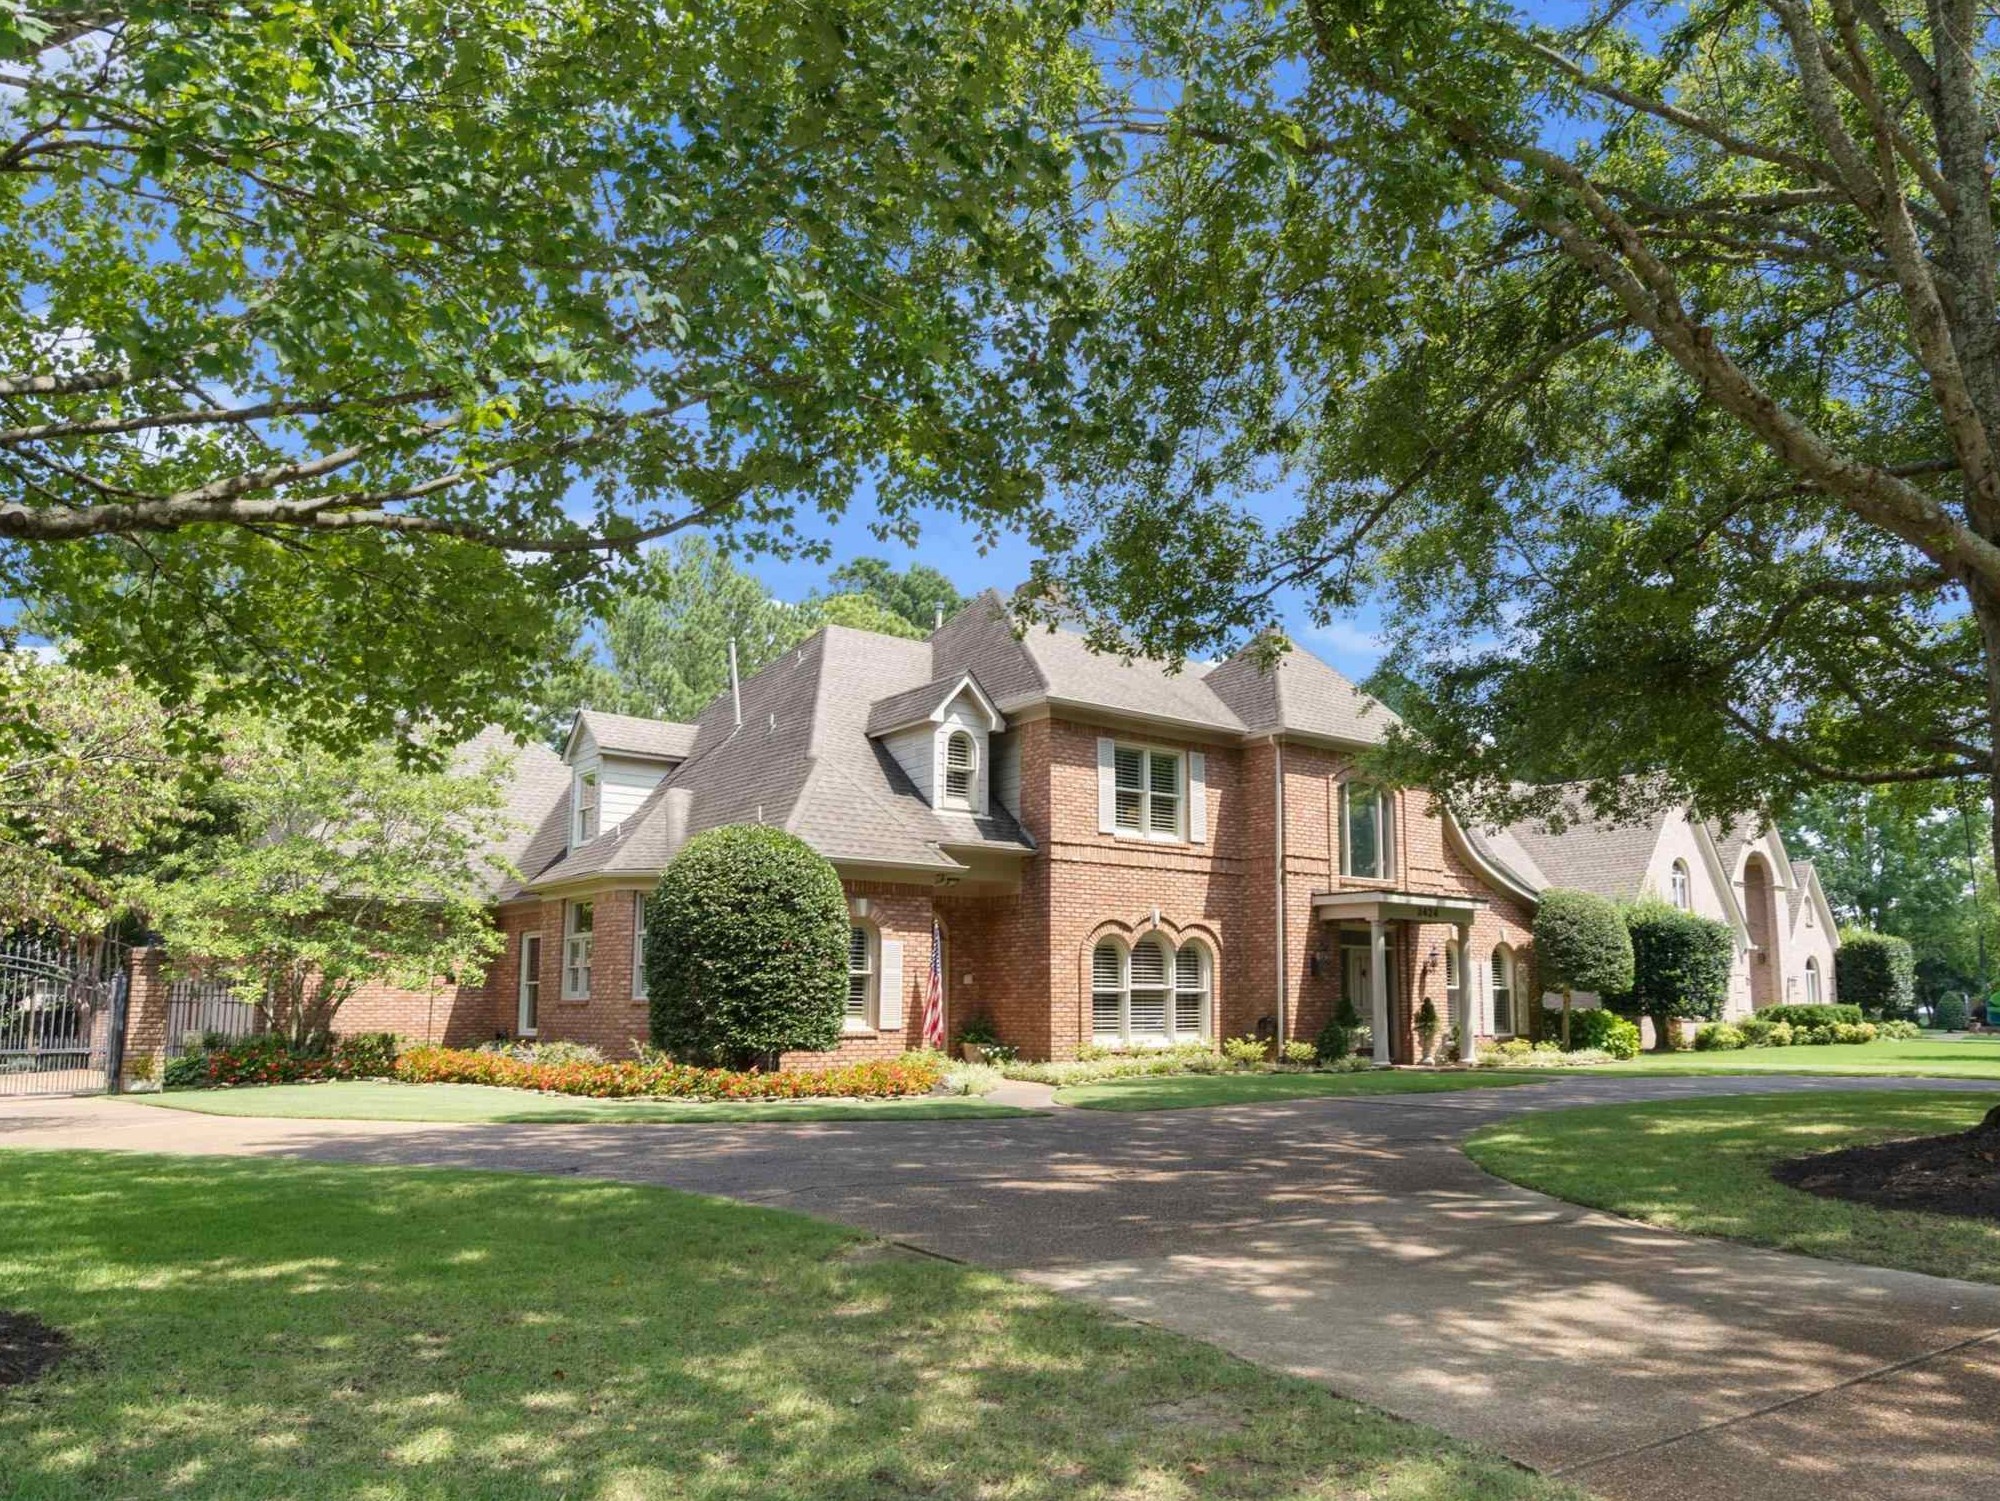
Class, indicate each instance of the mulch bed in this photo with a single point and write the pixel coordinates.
(1938, 1174)
(28, 1348)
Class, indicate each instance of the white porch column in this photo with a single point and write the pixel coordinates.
(1468, 1006)
(1378, 985)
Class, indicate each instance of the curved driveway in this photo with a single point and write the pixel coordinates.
(1351, 1242)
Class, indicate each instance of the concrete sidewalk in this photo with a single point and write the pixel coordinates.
(1351, 1242)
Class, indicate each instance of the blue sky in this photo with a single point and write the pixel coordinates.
(951, 546)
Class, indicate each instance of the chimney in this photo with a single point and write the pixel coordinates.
(735, 687)
(937, 618)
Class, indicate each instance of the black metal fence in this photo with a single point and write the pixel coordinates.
(62, 1013)
(203, 1012)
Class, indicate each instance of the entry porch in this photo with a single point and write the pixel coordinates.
(1385, 942)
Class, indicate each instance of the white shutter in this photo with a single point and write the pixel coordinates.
(1107, 787)
(1197, 797)
(889, 1002)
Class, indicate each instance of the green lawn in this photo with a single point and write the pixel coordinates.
(1191, 1091)
(1968, 1058)
(1704, 1166)
(249, 1329)
(386, 1100)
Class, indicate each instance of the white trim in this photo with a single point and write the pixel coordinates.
(578, 949)
(1107, 785)
(639, 946)
(863, 1019)
(1197, 797)
(889, 985)
(1145, 832)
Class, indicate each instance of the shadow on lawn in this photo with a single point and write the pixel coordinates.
(274, 1328)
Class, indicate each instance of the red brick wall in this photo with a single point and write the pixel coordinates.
(899, 913)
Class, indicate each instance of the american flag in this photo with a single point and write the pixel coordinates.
(934, 991)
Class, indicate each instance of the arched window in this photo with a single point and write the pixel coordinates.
(961, 769)
(1193, 983)
(1107, 992)
(1503, 991)
(1812, 982)
(1150, 994)
(1367, 832)
(1681, 892)
(1147, 995)
(860, 974)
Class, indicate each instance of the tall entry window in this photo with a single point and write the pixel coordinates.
(1503, 991)
(1367, 836)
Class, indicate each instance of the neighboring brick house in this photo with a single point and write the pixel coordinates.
(1742, 876)
(1105, 850)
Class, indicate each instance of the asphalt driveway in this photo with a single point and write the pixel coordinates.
(1348, 1241)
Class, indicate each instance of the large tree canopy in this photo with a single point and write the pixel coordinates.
(342, 342)
(1648, 366)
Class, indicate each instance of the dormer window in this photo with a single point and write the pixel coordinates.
(961, 769)
(586, 807)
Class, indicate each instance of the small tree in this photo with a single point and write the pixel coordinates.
(90, 778)
(1876, 972)
(746, 948)
(1580, 944)
(1680, 968)
(320, 872)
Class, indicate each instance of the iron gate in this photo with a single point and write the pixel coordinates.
(62, 1014)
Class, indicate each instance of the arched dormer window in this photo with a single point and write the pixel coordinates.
(961, 770)
(1680, 890)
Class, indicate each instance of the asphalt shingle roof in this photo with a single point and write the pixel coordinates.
(1299, 694)
(1607, 858)
(630, 735)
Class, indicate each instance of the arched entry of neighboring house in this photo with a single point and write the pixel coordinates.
(1760, 914)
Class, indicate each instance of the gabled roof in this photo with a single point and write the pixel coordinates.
(1057, 667)
(537, 794)
(1610, 859)
(630, 735)
(1298, 694)
(927, 703)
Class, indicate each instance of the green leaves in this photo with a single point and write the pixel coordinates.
(544, 282)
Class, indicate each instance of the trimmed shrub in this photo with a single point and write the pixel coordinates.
(1717, 1037)
(1814, 1037)
(1580, 944)
(1298, 1053)
(1336, 1038)
(1680, 968)
(1760, 1031)
(1245, 1051)
(1604, 1031)
(1876, 972)
(270, 1059)
(525, 1050)
(1898, 1030)
(1951, 1012)
(365, 1055)
(1854, 1032)
(1817, 1014)
(746, 948)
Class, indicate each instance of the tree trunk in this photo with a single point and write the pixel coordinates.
(1565, 1018)
(1986, 610)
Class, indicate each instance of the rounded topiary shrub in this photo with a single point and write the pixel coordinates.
(1680, 968)
(746, 949)
(1876, 972)
(1580, 944)
(1952, 1012)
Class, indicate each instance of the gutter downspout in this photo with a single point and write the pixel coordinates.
(1278, 842)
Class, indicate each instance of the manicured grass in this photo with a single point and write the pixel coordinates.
(386, 1100)
(1704, 1166)
(1192, 1091)
(249, 1329)
(1967, 1058)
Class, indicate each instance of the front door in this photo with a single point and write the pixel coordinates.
(1357, 979)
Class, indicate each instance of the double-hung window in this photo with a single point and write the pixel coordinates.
(1367, 833)
(578, 920)
(1148, 792)
(961, 768)
(638, 945)
(1678, 886)
(586, 807)
(1503, 991)
(860, 975)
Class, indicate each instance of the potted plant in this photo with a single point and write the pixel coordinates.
(1427, 1029)
(976, 1037)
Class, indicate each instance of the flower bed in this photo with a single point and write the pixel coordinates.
(268, 1060)
(912, 1074)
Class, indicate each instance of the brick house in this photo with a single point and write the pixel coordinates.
(1104, 850)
